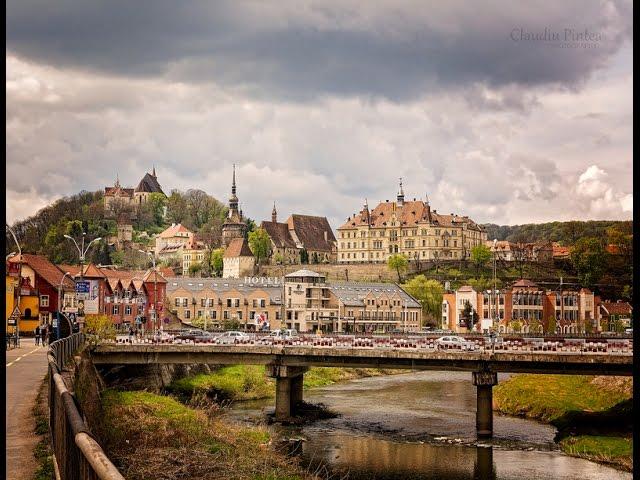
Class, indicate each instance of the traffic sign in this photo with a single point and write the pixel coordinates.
(82, 287)
(13, 318)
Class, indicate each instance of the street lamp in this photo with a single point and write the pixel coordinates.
(13, 234)
(60, 295)
(82, 251)
(12, 254)
(495, 288)
(155, 290)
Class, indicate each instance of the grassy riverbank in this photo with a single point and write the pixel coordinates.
(42, 451)
(155, 436)
(593, 414)
(249, 382)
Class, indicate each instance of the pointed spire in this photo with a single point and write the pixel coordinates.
(117, 184)
(426, 196)
(400, 195)
(233, 184)
(154, 171)
(274, 213)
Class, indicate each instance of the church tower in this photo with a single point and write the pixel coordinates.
(400, 195)
(234, 226)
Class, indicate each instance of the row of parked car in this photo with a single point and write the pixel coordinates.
(229, 337)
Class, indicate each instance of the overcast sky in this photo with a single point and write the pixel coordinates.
(323, 104)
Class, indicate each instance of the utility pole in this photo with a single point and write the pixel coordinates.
(561, 305)
(495, 287)
(13, 234)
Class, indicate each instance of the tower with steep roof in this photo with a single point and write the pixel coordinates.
(234, 226)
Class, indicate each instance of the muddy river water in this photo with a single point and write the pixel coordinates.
(422, 425)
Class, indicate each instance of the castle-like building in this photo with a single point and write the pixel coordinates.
(117, 197)
(407, 227)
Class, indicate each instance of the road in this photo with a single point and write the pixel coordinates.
(25, 367)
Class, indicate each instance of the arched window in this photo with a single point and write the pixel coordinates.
(27, 313)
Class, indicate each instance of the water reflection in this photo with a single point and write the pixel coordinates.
(422, 425)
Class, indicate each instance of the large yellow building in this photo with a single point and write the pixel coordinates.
(407, 227)
(29, 301)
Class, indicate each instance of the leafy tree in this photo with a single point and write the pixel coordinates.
(217, 262)
(429, 293)
(535, 326)
(211, 235)
(399, 263)
(177, 209)
(551, 324)
(304, 256)
(314, 258)
(278, 259)
(480, 255)
(99, 327)
(589, 259)
(195, 268)
(260, 244)
(516, 326)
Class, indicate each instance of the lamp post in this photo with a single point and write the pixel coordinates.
(82, 251)
(495, 288)
(155, 290)
(13, 234)
(60, 295)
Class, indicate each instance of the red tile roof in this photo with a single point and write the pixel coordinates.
(616, 308)
(311, 232)
(45, 269)
(279, 234)
(238, 248)
(173, 230)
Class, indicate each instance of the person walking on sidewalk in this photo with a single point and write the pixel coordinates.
(43, 333)
(36, 335)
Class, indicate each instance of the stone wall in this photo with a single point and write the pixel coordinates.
(370, 272)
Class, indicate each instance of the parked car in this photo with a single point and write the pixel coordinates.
(231, 337)
(284, 333)
(195, 335)
(452, 341)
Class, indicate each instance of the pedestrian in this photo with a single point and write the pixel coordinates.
(131, 334)
(36, 334)
(43, 333)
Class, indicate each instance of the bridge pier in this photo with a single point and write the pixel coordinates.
(484, 381)
(288, 389)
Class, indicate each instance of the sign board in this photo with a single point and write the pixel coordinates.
(13, 318)
(83, 286)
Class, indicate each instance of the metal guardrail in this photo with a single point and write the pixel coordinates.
(77, 455)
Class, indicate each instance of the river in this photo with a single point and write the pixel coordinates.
(422, 425)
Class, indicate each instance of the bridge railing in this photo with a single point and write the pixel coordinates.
(77, 455)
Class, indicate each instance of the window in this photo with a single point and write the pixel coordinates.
(202, 302)
(115, 310)
(187, 314)
(200, 313)
(44, 300)
(239, 314)
(185, 302)
(213, 314)
(254, 303)
(177, 301)
(229, 301)
(127, 310)
(226, 315)
(262, 303)
(237, 302)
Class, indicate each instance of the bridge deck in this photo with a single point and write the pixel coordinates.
(573, 363)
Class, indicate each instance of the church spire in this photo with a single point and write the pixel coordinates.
(154, 171)
(233, 184)
(274, 213)
(400, 195)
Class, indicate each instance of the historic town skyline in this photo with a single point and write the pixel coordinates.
(332, 103)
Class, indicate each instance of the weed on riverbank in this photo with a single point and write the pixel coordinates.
(154, 436)
(249, 382)
(42, 450)
(593, 415)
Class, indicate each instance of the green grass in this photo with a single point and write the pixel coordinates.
(151, 436)
(249, 382)
(549, 397)
(614, 450)
(593, 414)
(42, 451)
(237, 382)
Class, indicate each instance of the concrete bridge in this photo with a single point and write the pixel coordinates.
(287, 364)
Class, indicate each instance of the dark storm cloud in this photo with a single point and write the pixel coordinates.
(304, 51)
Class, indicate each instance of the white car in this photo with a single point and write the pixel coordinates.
(283, 334)
(231, 337)
(453, 341)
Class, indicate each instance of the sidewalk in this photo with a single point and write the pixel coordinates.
(25, 367)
